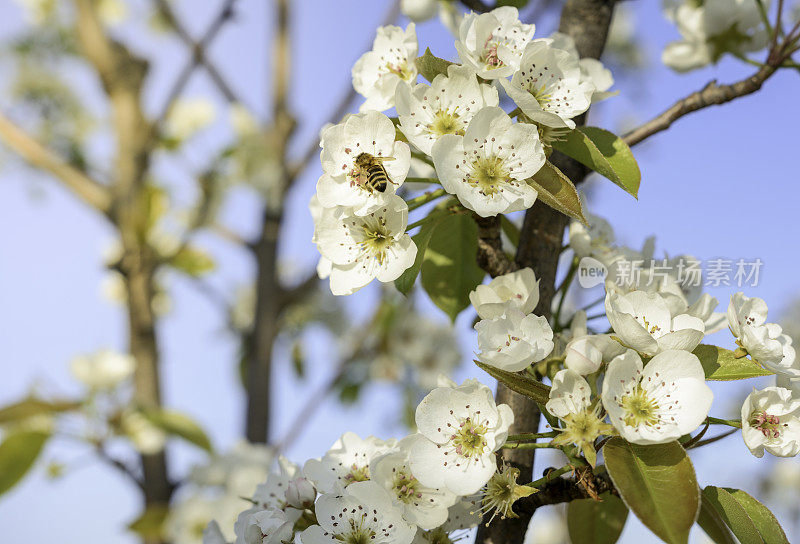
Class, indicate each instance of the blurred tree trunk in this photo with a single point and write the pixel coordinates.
(541, 238)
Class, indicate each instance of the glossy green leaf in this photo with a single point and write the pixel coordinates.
(181, 425)
(514, 3)
(18, 453)
(720, 364)
(749, 520)
(422, 238)
(596, 522)
(557, 191)
(31, 407)
(712, 523)
(605, 153)
(658, 484)
(430, 66)
(449, 270)
(521, 383)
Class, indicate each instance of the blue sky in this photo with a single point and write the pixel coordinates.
(720, 183)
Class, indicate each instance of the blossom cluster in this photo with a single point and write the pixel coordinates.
(418, 489)
(481, 154)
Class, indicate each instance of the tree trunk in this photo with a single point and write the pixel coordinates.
(541, 237)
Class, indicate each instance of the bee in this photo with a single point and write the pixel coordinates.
(372, 167)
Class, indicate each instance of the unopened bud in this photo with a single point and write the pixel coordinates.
(300, 493)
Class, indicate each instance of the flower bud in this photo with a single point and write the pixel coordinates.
(300, 493)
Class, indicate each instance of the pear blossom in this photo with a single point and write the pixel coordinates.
(344, 146)
(592, 70)
(362, 248)
(585, 354)
(460, 428)
(190, 516)
(570, 401)
(419, 10)
(462, 516)
(548, 86)
(445, 107)
(364, 512)
(300, 493)
(643, 321)
(391, 60)
(346, 462)
(502, 491)
(745, 311)
(271, 494)
(592, 241)
(492, 43)
(659, 402)
(771, 422)
(146, 437)
(518, 290)
(711, 29)
(212, 534)
(269, 526)
(487, 167)
(514, 341)
(188, 116)
(423, 506)
(103, 370)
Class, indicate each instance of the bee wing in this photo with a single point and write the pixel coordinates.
(380, 160)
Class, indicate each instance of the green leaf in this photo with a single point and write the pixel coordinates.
(712, 523)
(150, 524)
(181, 425)
(407, 279)
(449, 270)
(18, 453)
(596, 522)
(519, 4)
(557, 191)
(193, 262)
(520, 383)
(732, 514)
(721, 364)
(747, 518)
(32, 406)
(605, 153)
(658, 484)
(430, 66)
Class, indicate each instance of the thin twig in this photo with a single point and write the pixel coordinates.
(714, 439)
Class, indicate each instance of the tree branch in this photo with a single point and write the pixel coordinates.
(199, 56)
(90, 191)
(711, 95)
(565, 490)
(491, 256)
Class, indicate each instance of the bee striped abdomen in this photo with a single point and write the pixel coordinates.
(377, 178)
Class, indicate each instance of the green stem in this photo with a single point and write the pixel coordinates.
(531, 446)
(729, 422)
(530, 436)
(762, 10)
(421, 200)
(552, 475)
(423, 180)
(422, 156)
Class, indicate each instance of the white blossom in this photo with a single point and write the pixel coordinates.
(269, 526)
(445, 107)
(105, 369)
(771, 422)
(462, 516)
(212, 534)
(346, 462)
(643, 321)
(300, 493)
(271, 494)
(710, 29)
(362, 248)
(492, 43)
(659, 402)
(592, 70)
(764, 342)
(423, 506)
(145, 436)
(460, 428)
(518, 290)
(349, 149)
(419, 10)
(488, 167)
(592, 241)
(548, 87)
(585, 354)
(514, 340)
(377, 73)
(188, 116)
(364, 512)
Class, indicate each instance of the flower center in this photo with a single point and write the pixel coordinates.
(405, 487)
(488, 173)
(358, 533)
(375, 240)
(489, 56)
(640, 408)
(400, 69)
(502, 491)
(770, 426)
(445, 122)
(542, 95)
(357, 474)
(469, 439)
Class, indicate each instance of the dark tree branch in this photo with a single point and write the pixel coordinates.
(491, 256)
(711, 95)
(477, 6)
(564, 490)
